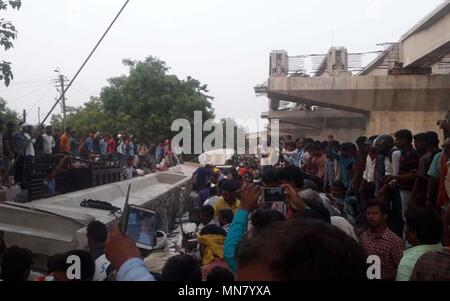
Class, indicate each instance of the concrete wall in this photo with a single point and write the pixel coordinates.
(379, 122)
(442, 66)
(340, 134)
(386, 122)
(366, 93)
(378, 72)
(317, 119)
(426, 44)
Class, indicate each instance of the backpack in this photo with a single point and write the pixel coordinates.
(19, 143)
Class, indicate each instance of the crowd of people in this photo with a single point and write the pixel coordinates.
(21, 148)
(340, 206)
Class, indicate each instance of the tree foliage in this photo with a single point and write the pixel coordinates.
(88, 118)
(143, 103)
(8, 33)
(6, 114)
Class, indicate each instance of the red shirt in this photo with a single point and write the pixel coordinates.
(388, 246)
(243, 171)
(111, 146)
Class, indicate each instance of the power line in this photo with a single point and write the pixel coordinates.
(31, 81)
(82, 91)
(29, 93)
(38, 101)
(73, 79)
(86, 61)
(24, 86)
(87, 89)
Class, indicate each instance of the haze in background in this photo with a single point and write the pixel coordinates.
(223, 43)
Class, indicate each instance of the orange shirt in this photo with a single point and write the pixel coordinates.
(64, 146)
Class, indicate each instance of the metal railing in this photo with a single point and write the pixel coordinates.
(309, 64)
(87, 175)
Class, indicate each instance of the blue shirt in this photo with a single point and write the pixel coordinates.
(346, 165)
(49, 186)
(73, 147)
(435, 168)
(204, 195)
(158, 153)
(89, 144)
(96, 146)
(294, 159)
(103, 147)
(330, 172)
(130, 150)
(235, 234)
(298, 157)
(134, 270)
(201, 175)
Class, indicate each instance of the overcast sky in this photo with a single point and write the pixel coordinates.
(223, 43)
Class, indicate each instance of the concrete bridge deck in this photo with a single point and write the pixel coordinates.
(58, 224)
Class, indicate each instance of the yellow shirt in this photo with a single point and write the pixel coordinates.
(221, 205)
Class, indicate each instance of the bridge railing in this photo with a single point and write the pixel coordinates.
(86, 174)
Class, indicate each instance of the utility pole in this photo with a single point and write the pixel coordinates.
(39, 115)
(62, 89)
(24, 116)
(63, 100)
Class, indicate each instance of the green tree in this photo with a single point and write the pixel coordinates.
(8, 33)
(143, 103)
(149, 99)
(6, 113)
(85, 119)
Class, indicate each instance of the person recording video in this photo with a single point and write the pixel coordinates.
(141, 228)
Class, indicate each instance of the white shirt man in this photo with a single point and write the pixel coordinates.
(344, 225)
(264, 155)
(392, 166)
(369, 172)
(212, 200)
(121, 148)
(48, 143)
(128, 173)
(30, 147)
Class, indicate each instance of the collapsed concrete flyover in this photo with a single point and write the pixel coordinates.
(407, 85)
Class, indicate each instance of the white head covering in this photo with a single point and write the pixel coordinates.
(162, 242)
(342, 224)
